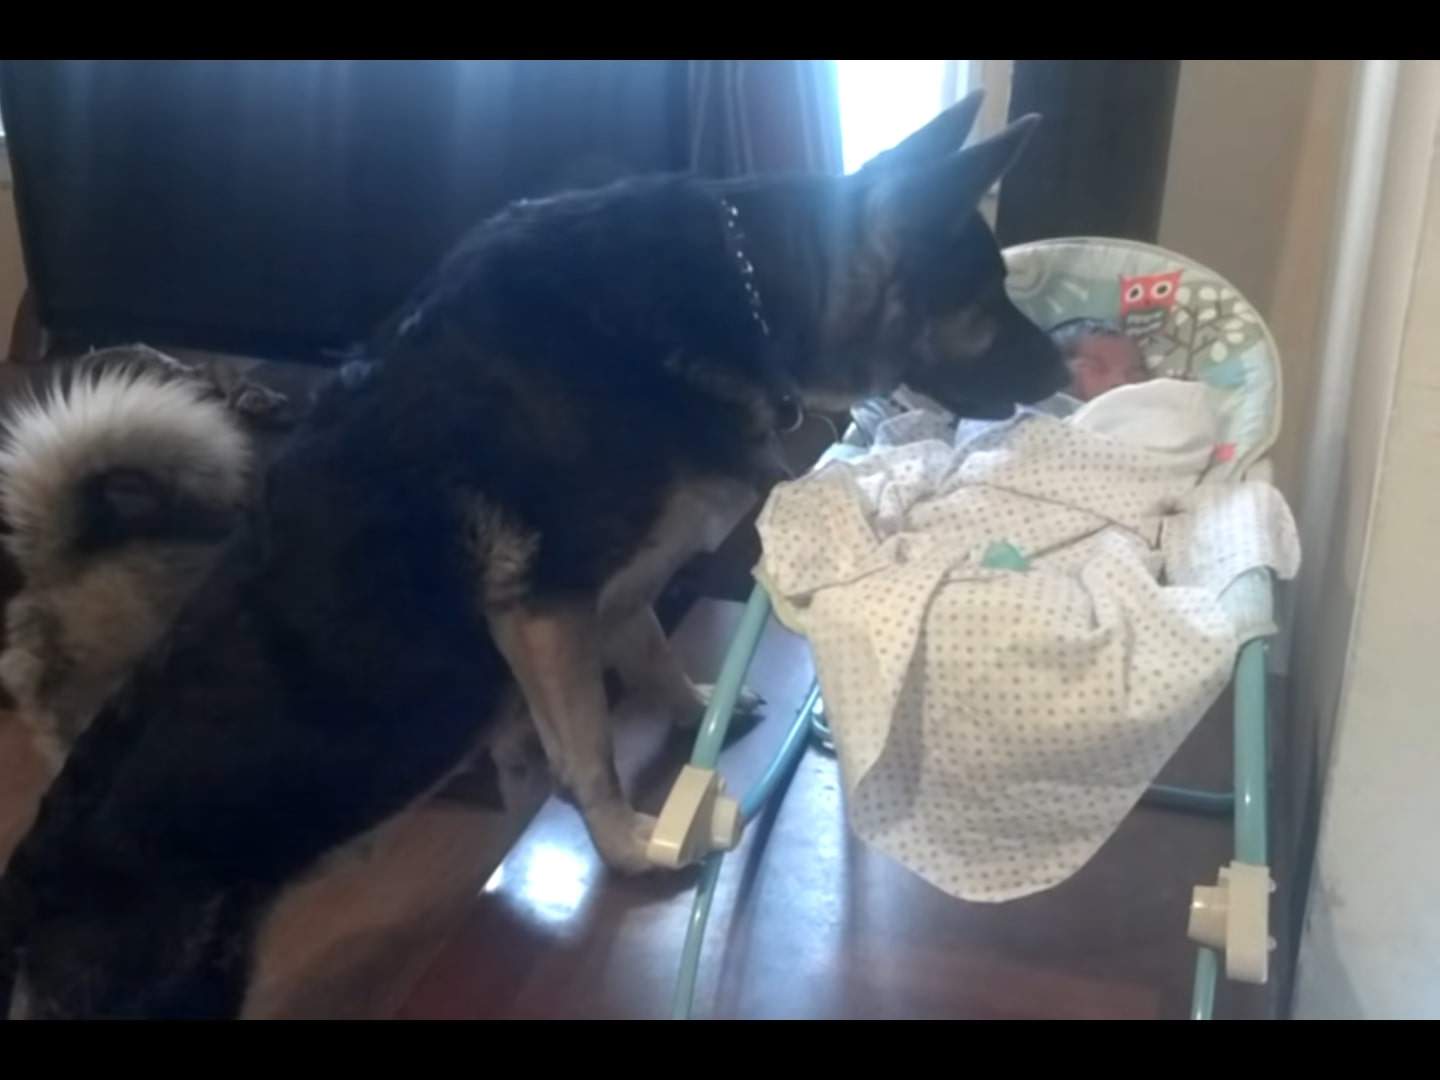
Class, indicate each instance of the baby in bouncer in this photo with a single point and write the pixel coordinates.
(1100, 356)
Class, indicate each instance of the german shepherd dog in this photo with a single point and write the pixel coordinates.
(584, 394)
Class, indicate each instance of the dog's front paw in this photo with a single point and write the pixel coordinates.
(623, 841)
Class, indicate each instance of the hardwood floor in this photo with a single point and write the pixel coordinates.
(437, 920)
(807, 923)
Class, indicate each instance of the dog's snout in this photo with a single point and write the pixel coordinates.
(1052, 377)
(1039, 367)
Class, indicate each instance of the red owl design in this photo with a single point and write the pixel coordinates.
(1146, 300)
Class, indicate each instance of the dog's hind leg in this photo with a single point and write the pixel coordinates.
(641, 655)
(556, 658)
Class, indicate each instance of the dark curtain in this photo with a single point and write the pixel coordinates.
(764, 116)
(280, 207)
(1096, 166)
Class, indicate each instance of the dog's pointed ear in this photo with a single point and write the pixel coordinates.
(942, 135)
(942, 196)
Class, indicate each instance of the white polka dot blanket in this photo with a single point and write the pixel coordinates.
(1015, 625)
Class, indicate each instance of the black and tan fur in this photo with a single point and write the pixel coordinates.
(573, 404)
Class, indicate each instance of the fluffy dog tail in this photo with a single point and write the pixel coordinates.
(109, 456)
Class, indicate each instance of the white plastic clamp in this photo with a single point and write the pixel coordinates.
(1234, 917)
(698, 818)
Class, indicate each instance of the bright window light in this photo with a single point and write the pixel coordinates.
(882, 101)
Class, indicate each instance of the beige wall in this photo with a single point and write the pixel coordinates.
(1371, 945)
(1250, 191)
(12, 271)
(1331, 590)
(1359, 738)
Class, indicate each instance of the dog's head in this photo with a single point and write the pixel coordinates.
(914, 290)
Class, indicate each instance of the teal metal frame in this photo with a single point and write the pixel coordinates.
(706, 755)
(1248, 803)
(1251, 801)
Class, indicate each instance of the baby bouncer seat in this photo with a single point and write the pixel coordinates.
(1190, 324)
